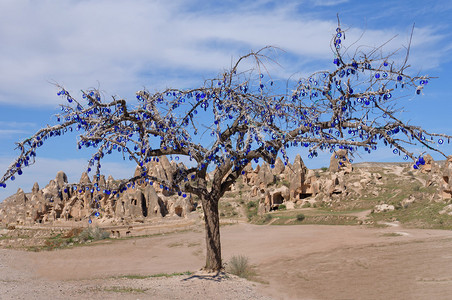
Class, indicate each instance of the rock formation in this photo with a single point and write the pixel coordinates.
(59, 201)
(446, 179)
(339, 162)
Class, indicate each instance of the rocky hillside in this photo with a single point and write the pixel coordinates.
(261, 194)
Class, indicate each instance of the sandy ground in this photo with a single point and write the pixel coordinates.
(292, 262)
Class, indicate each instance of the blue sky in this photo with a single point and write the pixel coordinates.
(122, 46)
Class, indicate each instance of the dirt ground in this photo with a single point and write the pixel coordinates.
(292, 262)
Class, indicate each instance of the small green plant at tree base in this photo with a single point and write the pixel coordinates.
(282, 207)
(239, 265)
(324, 169)
(300, 217)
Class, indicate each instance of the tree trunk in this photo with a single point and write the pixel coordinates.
(212, 224)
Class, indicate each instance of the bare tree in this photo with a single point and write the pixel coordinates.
(243, 116)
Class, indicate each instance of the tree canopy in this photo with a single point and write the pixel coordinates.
(244, 115)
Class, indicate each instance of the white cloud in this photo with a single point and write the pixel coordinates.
(124, 46)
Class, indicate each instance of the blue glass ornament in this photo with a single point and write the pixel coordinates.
(377, 75)
(440, 141)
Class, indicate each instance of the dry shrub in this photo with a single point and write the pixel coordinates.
(239, 265)
(73, 232)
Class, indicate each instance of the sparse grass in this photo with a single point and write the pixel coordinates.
(239, 265)
(227, 209)
(122, 289)
(391, 234)
(176, 244)
(74, 237)
(167, 275)
(251, 210)
(300, 217)
(93, 234)
(321, 217)
(420, 214)
(171, 275)
(264, 219)
(134, 277)
(282, 182)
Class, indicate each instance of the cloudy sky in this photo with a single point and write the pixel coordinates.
(122, 46)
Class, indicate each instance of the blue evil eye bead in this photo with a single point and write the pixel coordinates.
(90, 221)
(97, 214)
(440, 141)
(405, 157)
(399, 78)
(184, 195)
(415, 167)
(422, 82)
(377, 75)
(385, 63)
(19, 172)
(13, 178)
(339, 35)
(421, 160)
(262, 75)
(395, 151)
(418, 91)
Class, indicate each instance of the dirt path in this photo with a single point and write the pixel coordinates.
(296, 262)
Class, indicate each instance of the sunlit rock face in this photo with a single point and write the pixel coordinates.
(86, 201)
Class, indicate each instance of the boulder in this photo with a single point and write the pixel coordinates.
(383, 208)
